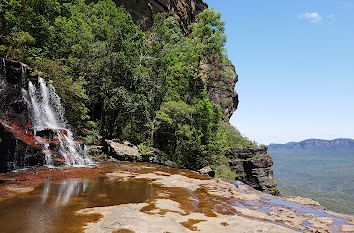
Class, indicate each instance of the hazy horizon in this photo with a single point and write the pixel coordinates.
(314, 139)
(295, 61)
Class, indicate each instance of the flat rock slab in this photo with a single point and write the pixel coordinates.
(189, 203)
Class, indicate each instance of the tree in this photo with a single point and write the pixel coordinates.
(209, 29)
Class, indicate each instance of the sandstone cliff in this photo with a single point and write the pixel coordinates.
(254, 167)
(185, 11)
(220, 86)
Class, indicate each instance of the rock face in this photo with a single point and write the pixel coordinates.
(142, 11)
(17, 143)
(254, 167)
(221, 87)
(158, 157)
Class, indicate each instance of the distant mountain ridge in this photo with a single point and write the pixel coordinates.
(320, 143)
(318, 169)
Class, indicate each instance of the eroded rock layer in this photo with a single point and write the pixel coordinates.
(254, 167)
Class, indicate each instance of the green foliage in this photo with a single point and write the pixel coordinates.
(144, 150)
(223, 170)
(91, 125)
(210, 31)
(336, 201)
(233, 137)
(320, 173)
(315, 169)
(89, 139)
(118, 81)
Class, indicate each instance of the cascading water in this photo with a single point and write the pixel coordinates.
(50, 129)
(2, 76)
(33, 130)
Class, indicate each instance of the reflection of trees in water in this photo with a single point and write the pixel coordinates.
(64, 191)
(52, 207)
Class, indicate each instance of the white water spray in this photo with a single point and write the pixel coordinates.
(47, 114)
(2, 76)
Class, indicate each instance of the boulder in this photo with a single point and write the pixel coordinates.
(207, 171)
(123, 151)
(126, 151)
(159, 157)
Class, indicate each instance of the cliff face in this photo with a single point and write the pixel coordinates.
(220, 86)
(185, 11)
(254, 167)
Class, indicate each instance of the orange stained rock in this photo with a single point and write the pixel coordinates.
(190, 224)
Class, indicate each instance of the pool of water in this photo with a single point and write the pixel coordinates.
(52, 206)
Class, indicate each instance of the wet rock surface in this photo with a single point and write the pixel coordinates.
(32, 126)
(17, 144)
(140, 197)
(254, 167)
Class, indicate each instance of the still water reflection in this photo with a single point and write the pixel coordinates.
(52, 206)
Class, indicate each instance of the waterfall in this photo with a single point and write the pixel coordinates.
(2, 76)
(50, 129)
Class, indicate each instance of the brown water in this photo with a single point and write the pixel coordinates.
(51, 207)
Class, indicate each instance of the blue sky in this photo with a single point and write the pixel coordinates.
(295, 60)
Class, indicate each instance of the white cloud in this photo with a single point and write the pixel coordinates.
(331, 16)
(313, 17)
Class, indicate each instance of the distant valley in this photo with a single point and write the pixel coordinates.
(319, 169)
